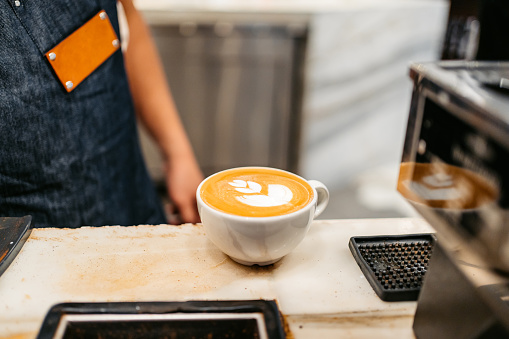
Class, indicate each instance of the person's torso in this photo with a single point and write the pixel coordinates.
(70, 159)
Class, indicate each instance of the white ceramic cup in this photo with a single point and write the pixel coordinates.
(261, 240)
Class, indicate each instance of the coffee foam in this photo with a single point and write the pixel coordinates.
(256, 192)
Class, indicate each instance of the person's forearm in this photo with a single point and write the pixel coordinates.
(152, 97)
(155, 108)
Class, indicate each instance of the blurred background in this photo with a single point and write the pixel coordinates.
(316, 87)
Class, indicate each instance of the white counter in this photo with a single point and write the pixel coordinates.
(319, 287)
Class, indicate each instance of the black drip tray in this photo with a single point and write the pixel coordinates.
(394, 265)
(192, 319)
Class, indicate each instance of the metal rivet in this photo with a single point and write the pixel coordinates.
(69, 84)
(115, 43)
(52, 56)
(17, 3)
(102, 15)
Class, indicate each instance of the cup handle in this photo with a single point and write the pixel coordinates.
(323, 196)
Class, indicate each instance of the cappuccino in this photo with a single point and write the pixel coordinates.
(256, 192)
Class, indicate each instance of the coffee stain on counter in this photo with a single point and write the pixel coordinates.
(222, 262)
(150, 263)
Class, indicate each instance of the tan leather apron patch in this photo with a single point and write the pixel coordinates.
(78, 55)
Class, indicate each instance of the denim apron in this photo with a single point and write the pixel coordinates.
(68, 159)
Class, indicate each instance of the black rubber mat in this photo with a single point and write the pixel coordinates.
(395, 266)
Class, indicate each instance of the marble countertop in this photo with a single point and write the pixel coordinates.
(287, 6)
(278, 11)
(319, 287)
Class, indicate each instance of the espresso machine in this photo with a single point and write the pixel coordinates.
(455, 173)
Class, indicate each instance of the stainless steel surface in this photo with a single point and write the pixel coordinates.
(451, 306)
(456, 174)
(477, 140)
(238, 88)
(465, 80)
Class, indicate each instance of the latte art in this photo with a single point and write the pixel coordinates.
(277, 195)
(256, 192)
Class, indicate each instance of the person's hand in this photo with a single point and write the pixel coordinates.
(182, 179)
